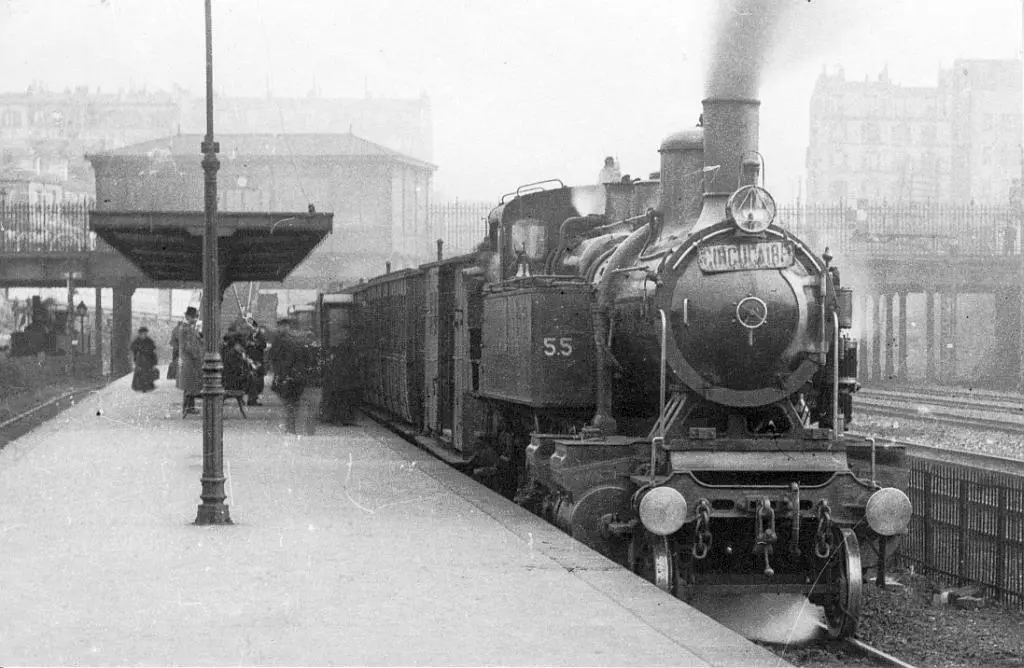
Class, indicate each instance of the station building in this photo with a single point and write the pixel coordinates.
(379, 197)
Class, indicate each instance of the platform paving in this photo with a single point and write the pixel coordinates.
(350, 547)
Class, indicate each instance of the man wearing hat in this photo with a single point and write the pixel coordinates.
(189, 343)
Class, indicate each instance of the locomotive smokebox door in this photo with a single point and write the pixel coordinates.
(538, 343)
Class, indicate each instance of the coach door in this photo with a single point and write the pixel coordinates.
(447, 323)
(468, 414)
(430, 349)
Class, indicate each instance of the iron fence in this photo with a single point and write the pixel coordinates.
(56, 228)
(907, 229)
(462, 225)
(968, 527)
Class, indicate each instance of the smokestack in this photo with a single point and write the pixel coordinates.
(682, 162)
(730, 135)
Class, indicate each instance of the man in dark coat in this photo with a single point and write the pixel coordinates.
(256, 348)
(237, 367)
(343, 381)
(294, 359)
(144, 355)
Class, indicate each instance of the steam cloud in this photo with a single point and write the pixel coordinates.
(745, 33)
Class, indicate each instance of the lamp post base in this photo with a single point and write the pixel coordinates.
(213, 513)
(213, 510)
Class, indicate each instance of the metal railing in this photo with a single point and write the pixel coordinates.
(907, 229)
(462, 225)
(882, 230)
(49, 228)
(968, 527)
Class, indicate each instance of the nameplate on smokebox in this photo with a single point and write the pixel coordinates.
(746, 257)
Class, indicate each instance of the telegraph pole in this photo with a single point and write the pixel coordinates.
(212, 510)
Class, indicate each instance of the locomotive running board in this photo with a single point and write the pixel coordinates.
(410, 434)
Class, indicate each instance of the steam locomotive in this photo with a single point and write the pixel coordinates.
(660, 368)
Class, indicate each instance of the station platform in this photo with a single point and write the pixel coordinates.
(349, 547)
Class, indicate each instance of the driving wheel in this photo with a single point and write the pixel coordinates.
(842, 611)
(651, 559)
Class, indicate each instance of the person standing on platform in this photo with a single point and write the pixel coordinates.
(144, 355)
(190, 362)
(287, 364)
(237, 366)
(343, 382)
(289, 359)
(256, 348)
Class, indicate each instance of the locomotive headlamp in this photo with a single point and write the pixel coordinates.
(751, 208)
(888, 511)
(663, 510)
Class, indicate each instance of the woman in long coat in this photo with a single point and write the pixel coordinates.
(144, 355)
(190, 361)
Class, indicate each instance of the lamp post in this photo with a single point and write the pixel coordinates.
(81, 310)
(212, 510)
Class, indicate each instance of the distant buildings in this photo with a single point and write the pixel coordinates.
(879, 141)
(45, 135)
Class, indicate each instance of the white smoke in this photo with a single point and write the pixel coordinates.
(590, 200)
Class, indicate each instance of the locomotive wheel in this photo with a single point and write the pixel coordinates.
(842, 612)
(651, 559)
(586, 521)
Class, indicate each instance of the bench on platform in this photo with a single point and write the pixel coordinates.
(237, 395)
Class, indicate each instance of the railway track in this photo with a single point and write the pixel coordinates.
(836, 649)
(975, 410)
(18, 425)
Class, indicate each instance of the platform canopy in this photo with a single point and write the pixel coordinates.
(168, 245)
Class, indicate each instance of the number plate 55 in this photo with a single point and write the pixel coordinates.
(558, 346)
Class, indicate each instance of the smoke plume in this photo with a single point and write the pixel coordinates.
(745, 34)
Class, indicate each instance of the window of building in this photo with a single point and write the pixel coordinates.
(10, 118)
(838, 190)
(901, 133)
(871, 133)
(928, 133)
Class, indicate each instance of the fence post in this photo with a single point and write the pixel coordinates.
(1001, 538)
(929, 527)
(961, 568)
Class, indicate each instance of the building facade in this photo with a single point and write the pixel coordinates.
(379, 197)
(44, 135)
(403, 125)
(877, 141)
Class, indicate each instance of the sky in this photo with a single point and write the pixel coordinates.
(521, 90)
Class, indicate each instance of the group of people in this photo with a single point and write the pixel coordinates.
(296, 360)
(242, 355)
